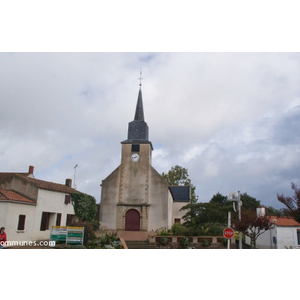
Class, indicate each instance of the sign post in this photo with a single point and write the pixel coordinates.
(228, 234)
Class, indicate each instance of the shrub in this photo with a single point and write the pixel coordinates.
(164, 241)
(179, 229)
(205, 242)
(110, 240)
(163, 231)
(184, 242)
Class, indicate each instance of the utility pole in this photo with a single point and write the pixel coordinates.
(233, 197)
(240, 217)
(229, 225)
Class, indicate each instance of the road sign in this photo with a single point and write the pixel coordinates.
(228, 233)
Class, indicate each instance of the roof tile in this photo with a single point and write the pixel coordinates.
(11, 195)
(285, 221)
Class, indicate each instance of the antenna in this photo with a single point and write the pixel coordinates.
(74, 184)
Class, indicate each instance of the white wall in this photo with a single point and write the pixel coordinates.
(53, 202)
(177, 214)
(9, 218)
(287, 237)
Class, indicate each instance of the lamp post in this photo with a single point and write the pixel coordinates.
(237, 197)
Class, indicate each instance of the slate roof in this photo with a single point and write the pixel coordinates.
(13, 196)
(138, 130)
(180, 193)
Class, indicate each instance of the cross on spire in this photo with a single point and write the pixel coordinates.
(140, 78)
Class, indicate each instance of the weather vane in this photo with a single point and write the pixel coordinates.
(140, 78)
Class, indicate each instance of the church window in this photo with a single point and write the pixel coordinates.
(135, 148)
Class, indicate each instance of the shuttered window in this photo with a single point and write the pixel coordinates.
(21, 223)
(67, 199)
(58, 219)
(45, 221)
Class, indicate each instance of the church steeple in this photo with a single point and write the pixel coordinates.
(138, 131)
(139, 111)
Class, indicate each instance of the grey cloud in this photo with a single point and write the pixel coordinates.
(230, 118)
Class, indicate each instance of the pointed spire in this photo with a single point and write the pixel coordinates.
(139, 111)
(138, 131)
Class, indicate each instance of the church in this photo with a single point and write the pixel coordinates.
(135, 197)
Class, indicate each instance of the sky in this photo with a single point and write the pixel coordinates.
(231, 118)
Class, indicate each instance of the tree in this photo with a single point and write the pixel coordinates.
(219, 198)
(249, 202)
(252, 225)
(271, 211)
(85, 208)
(214, 211)
(179, 176)
(292, 203)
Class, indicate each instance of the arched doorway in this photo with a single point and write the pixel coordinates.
(132, 220)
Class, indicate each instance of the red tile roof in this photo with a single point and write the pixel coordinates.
(285, 221)
(41, 184)
(47, 185)
(11, 195)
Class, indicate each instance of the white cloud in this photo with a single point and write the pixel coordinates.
(230, 118)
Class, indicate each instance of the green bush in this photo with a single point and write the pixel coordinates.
(163, 231)
(184, 242)
(205, 242)
(207, 229)
(164, 241)
(179, 229)
(110, 240)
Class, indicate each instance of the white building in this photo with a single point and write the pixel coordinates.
(29, 207)
(285, 234)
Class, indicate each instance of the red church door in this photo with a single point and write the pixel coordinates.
(132, 220)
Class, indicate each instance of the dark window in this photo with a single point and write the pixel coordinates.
(58, 219)
(45, 221)
(135, 148)
(21, 223)
(298, 237)
(67, 199)
(176, 220)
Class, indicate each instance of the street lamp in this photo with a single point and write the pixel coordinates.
(237, 197)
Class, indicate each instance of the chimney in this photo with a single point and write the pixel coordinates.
(31, 169)
(69, 182)
(261, 211)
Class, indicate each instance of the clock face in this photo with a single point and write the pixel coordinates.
(135, 157)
